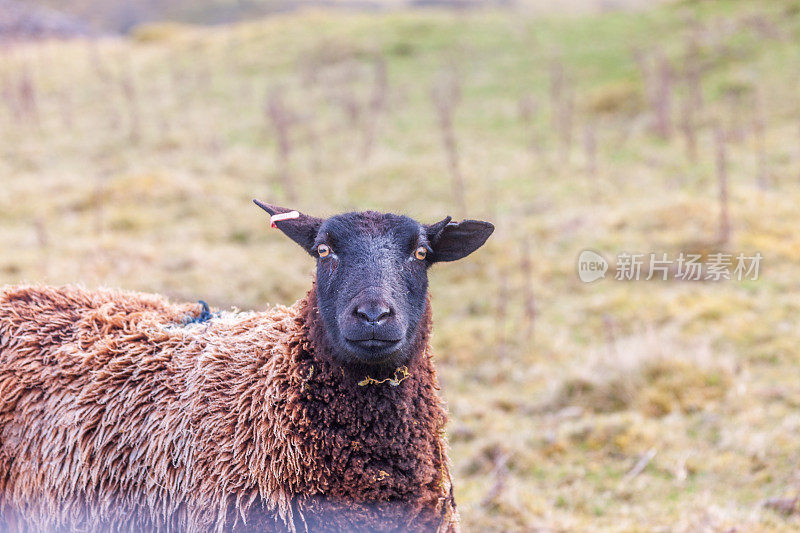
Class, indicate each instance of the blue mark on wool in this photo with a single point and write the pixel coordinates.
(204, 316)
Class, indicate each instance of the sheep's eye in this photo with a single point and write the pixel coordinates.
(323, 250)
(421, 253)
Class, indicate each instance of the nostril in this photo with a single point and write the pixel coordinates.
(372, 312)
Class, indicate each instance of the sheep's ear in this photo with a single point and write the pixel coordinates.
(454, 240)
(302, 229)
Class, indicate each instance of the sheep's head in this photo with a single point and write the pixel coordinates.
(372, 275)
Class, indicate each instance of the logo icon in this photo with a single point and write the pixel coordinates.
(591, 266)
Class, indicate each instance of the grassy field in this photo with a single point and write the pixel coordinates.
(621, 406)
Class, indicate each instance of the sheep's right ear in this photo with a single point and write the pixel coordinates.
(302, 229)
(454, 240)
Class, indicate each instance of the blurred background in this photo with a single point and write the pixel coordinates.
(133, 136)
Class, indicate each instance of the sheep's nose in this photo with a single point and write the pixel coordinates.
(373, 312)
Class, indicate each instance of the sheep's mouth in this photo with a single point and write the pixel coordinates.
(374, 344)
(373, 351)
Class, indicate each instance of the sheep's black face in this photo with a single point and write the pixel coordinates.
(371, 288)
(372, 276)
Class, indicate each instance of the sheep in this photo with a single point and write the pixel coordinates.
(122, 411)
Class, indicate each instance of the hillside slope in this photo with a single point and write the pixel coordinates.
(21, 20)
(120, 16)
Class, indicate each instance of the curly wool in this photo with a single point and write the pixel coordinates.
(118, 415)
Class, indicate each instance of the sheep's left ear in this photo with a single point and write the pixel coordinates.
(302, 229)
(454, 240)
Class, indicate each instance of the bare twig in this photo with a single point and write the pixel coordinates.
(99, 205)
(500, 474)
(610, 328)
(722, 181)
(43, 240)
(131, 98)
(281, 120)
(662, 102)
(688, 128)
(42, 237)
(658, 88)
(377, 103)
(557, 83)
(590, 148)
(527, 289)
(528, 110)
(28, 102)
(759, 123)
(314, 142)
(693, 69)
(640, 465)
(446, 96)
(566, 121)
(348, 100)
(501, 315)
(784, 506)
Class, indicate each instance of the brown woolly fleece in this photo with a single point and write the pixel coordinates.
(117, 415)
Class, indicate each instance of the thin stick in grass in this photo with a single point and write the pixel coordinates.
(43, 240)
(501, 315)
(722, 184)
(688, 127)
(446, 96)
(377, 104)
(557, 83)
(566, 115)
(132, 101)
(694, 69)
(530, 310)
(590, 149)
(662, 101)
(759, 125)
(281, 121)
(28, 97)
(528, 110)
